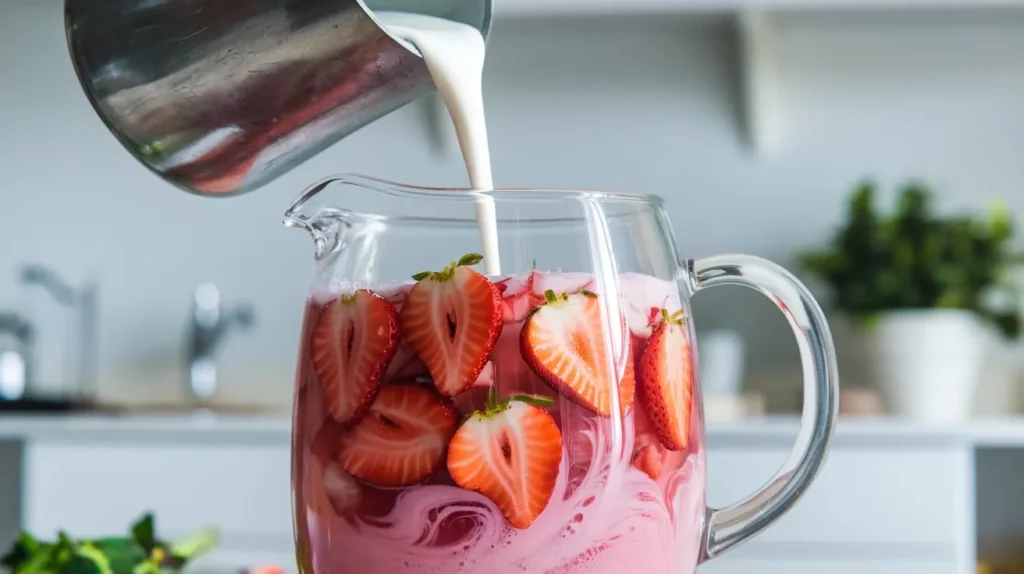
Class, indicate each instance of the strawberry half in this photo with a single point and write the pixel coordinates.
(510, 452)
(352, 345)
(665, 377)
(649, 456)
(452, 318)
(518, 296)
(563, 343)
(402, 439)
(521, 293)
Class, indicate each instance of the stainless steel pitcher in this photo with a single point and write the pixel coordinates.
(221, 97)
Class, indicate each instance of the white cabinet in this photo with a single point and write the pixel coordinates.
(861, 496)
(99, 489)
(901, 507)
(826, 567)
(882, 504)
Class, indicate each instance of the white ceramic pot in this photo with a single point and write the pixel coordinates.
(927, 364)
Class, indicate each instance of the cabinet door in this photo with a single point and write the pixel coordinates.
(234, 561)
(99, 489)
(733, 566)
(879, 495)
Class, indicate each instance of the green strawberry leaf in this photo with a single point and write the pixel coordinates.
(534, 400)
(470, 260)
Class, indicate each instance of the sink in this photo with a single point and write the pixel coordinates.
(44, 405)
(170, 408)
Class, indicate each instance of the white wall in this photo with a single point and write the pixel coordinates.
(646, 105)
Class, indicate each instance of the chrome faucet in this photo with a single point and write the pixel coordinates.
(84, 301)
(16, 346)
(208, 325)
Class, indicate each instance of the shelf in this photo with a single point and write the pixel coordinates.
(276, 428)
(529, 8)
(756, 38)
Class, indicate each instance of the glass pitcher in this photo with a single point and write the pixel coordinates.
(544, 420)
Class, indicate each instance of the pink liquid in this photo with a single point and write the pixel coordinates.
(606, 516)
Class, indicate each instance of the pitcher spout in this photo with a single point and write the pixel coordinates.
(325, 224)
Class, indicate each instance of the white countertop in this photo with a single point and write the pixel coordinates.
(275, 428)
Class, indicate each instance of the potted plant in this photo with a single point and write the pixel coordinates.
(927, 292)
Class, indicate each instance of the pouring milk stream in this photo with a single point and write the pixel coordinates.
(454, 55)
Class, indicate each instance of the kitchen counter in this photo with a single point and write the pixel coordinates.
(893, 497)
(276, 428)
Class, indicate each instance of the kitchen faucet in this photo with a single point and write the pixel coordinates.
(82, 300)
(208, 325)
(16, 341)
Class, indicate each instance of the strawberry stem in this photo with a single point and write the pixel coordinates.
(445, 274)
(677, 317)
(535, 400)
(492, 398)
(494, 406)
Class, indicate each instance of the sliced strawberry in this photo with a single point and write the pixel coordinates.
(627, 385)
(649, 456)
(402, 439)
(520, 294)
(329, 489)
(352, 345)
(665, 377)
(326, 440)
(564, 344)
(452, 318)
(510, 452)
(643, 297)
(405, 365)
(342, 491)
(518, 297)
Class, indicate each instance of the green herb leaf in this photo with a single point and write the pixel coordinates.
(123, 554)
(422, 276)
(913, 258)
(196, 544)
(143, 532)
(29, 542)
(89, 560)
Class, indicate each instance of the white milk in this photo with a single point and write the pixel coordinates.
(454, 55)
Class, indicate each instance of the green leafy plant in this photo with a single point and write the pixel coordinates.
(141, 552)
(914, 259)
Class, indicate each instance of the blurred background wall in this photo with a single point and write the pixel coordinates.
(643, 104)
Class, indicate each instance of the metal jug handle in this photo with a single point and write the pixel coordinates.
(729, 526)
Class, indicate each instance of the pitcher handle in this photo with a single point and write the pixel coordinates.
(727, 527)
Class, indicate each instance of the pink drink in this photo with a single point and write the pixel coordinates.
(622, 501)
